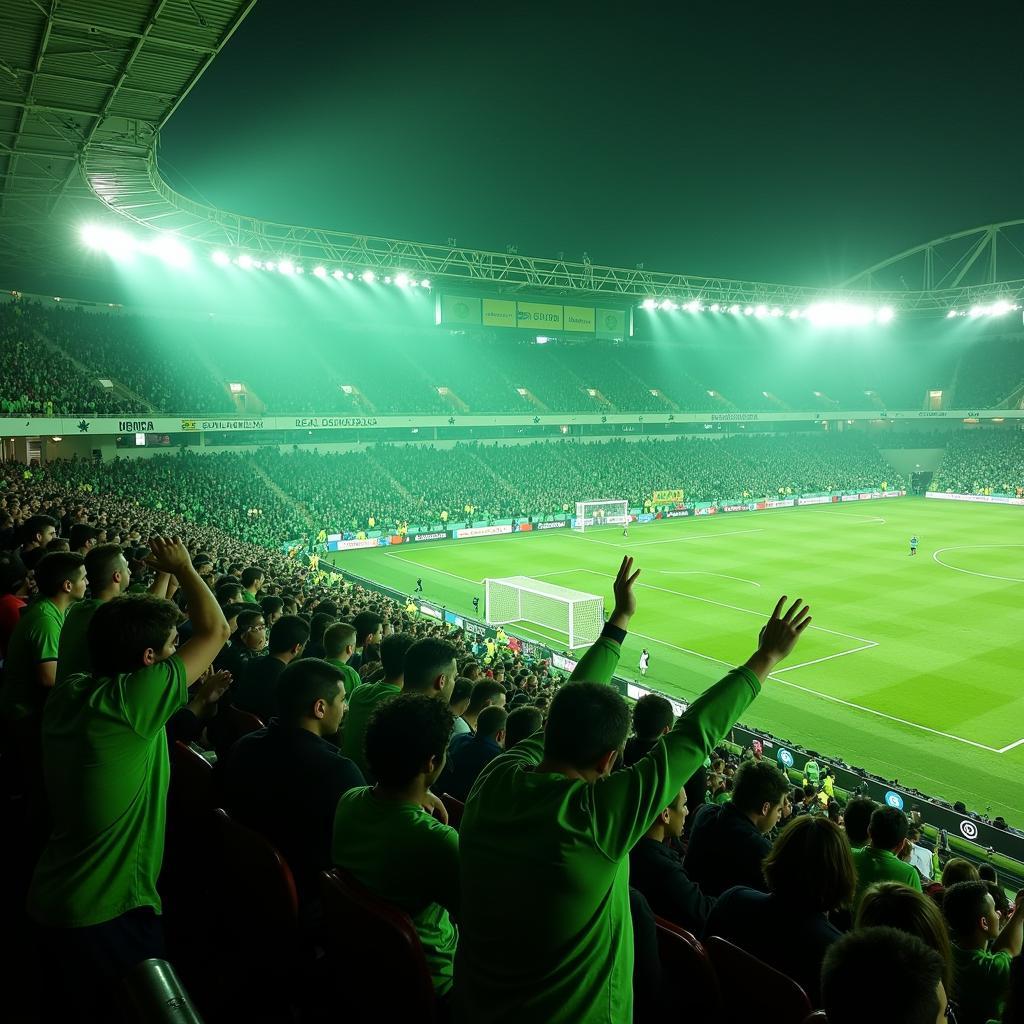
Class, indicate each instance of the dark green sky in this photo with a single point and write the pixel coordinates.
(788, 141)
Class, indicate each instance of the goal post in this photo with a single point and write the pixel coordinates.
(574, 613)
(607, 512)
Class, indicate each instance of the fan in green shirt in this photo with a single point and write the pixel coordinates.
(385, 836)
(105, 751)
(553, 813)
(879, 861)
(31, 666)
(339, 646)
(982, 953)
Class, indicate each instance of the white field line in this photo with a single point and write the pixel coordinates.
(701, 572)
(1010, 746)
(852, 515)
(732, 607)
(669, 540)
(828, 657)
(971, 572)
(432, 568)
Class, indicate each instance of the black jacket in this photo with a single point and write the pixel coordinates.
(725, 849)
(657, 871)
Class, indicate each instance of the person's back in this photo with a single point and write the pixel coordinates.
(879, 861)
(551, 811)
(469, 755)
(255, 690)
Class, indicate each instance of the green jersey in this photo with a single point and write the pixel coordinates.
(106, 767)
(562, 951)
(881, 866)
(405, 856)
(73, 652)
(35, 640)
(352, 679)
(360, 707)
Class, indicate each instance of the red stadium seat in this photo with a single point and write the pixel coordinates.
(692, 982)
(191, 792)
(454, 808)
(233, 723)
(750, 987)
(378, 954)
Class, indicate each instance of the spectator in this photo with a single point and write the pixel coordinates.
(469, 755)
(982, 954)
(522, 723)
(108, 576)
(318, 626)
(285, 780)
(920, 856)
(369, 695)
(14, 591)
(107, 768)
(386, 838)
(656, 870)
(369, 630)
(255, 690)
(459, 704)
(958, 869)
(339, 646)
(486, 693)
(248, 643)
(879, 861)
(727, 841)
(652, 719)
(810, 874)
(884, 976)
(856, 818)
(252, 584)
(551, 810)
(894, 905)
(36, 532)
(30, 668)
(82, 538)
(273, 609)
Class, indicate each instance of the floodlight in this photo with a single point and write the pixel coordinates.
(976, 311)
(776, 312)
(270, 265)
(760, 312)
(92, 236)
(734, 309)
(749, 311)
(402, 280)
(222, 259)
(541, 340)
(424, 283)
(952, 313)
(715, 307)
(368, 276)
(649, 304)
(286, 267)
(885, 314)
(245, 261)
(171, 251)
(1000, 308)
(299, 270)
(336, 274)
(668, 304)
(795, 314)
(350, 276)
(693, 306)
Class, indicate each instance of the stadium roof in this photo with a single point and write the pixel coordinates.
(86, 86)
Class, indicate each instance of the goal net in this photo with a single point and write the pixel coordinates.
(577, 615)
(612, 512)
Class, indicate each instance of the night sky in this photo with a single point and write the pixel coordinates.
(789, 141)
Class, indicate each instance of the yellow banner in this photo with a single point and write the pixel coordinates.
(499, 313)
(538, 315)
(663, 497)
(579, 318)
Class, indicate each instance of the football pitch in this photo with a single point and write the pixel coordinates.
(911, 669)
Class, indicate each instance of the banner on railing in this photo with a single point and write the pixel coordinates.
(988, 499)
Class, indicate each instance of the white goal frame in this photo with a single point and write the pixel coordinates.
(606, 512)
(573, 613)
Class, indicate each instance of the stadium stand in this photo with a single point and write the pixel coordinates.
(982, 462)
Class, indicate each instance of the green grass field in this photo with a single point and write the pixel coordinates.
(912, 668)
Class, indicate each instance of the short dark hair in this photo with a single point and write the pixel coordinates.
(54, 569)
(247, 618)
(288, 631)
(34, 525)
(651, 714)
(338, 636)
(425, 660)
(250, 575)
(123, 629)
(367, 624)
(100, 563)
(491, 721)
(882, 975)
(963, 905)
(12, 572)
(403, 734)
(228, 593)
(318, 626)
(522, 723)
(987, 872)
(586, 720)
(484, 691)
(856, 817)
(462, 690)
(82, 533)
(811, 864)
(888, 827)
(302, 684)
(271, 604)
(758, 783)
(392, 653)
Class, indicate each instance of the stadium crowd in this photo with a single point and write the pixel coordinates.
(182, 366)
(982, 462)
(421, 763)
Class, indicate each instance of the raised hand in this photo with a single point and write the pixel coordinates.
(779, 636)
(168, 554)
(625, 598)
